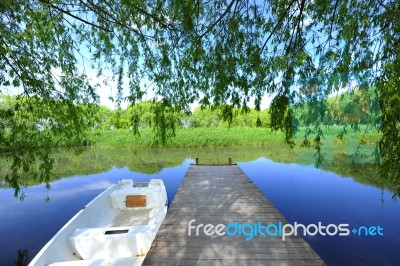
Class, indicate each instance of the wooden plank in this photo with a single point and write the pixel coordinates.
(223, 194)
(244, 255)
(220, 244)
(133, 201)
(217, 262)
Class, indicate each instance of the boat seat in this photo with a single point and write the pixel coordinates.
(112, 242)
(135, 201)
(127, 197)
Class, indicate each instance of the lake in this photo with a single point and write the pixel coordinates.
(342, 190)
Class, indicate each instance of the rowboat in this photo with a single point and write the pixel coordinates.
(115, 228)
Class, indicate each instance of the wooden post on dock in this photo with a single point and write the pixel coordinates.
(230, 161)
(197, 161)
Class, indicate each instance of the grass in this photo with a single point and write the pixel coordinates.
(188, 137)
(221, 137)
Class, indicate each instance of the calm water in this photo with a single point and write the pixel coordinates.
(307, 195)
(301, 193)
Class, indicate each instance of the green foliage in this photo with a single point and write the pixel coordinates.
(354, 107)
(390, 142)
(105, 118)
(214, 117)
(32, 122)
(30, 126)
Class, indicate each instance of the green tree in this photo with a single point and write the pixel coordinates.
(103, 116)
(220, 116)
(205, 117)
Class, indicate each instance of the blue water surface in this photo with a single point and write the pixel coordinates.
(302, 193)
(307, 195)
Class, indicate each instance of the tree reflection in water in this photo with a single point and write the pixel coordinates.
(22, 257)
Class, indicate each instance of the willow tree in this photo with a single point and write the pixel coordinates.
(213, 52)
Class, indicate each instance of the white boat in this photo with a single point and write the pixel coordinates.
(116, 228)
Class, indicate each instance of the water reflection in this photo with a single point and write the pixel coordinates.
(22, 258)
(64, 163)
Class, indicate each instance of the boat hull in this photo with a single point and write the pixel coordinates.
(118, 226)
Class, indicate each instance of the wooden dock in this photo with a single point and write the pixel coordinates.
(223, 195)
